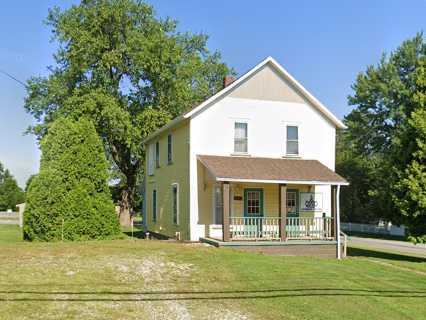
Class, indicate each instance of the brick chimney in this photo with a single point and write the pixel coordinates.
(228, 80)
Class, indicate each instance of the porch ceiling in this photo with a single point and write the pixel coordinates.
(270, 170)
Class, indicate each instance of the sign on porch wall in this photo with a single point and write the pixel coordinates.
(311, 201)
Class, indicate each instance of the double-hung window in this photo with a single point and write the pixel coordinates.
(218, 205)
(292, 145)
(154, 205)
(151, 163)
(291, 202)
(240, 137)
(175, 203)
(157, 154)
(169, 149)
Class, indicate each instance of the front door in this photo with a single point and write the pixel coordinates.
(292, 203)
(293, 222)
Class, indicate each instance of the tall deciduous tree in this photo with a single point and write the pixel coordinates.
(383, 135)
(410, 194)
(127, 70)
(10, 193)
(70, 197)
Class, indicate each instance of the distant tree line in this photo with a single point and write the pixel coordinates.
(10, 193)
(383, 151)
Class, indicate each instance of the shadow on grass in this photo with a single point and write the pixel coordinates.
(376, 236)
(359, 252)
(139, 234)
(210, 295)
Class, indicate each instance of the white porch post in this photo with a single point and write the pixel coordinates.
(339, 250)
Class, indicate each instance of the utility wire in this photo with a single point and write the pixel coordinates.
(13, 78)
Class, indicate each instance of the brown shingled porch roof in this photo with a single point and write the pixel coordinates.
(270, 170)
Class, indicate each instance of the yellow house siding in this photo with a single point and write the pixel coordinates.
(162, 180)
(205, 196)
(270, 198)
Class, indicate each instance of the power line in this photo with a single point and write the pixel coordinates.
(13, 78)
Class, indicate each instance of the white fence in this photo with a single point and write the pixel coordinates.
(383, 228)
(11, 217)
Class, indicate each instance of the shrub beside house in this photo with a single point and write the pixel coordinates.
(69, 199)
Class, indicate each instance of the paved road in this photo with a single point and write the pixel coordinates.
(391, 245)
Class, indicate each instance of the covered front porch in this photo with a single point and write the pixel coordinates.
(256, 212)
(270, 201)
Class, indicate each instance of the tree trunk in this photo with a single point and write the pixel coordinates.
(125, 208)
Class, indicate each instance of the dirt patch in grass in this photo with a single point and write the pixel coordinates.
(48, 281)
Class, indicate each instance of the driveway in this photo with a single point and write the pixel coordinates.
(391, 245)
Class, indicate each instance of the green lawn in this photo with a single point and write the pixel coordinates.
(10, 233)
(147, 279)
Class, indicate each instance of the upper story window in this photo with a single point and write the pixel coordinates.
(240, 137)
(151, 155)
(157, 154)
(175, 203)
(169, 149)
(292, 146)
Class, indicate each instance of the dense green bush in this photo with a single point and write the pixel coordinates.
(70, 196)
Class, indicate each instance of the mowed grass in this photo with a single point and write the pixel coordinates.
(10, 233)
(146, 279)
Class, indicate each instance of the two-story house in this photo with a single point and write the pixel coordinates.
(253, 164)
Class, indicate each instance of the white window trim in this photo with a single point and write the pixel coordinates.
(177, 204)
(237, 153)
(292, 124)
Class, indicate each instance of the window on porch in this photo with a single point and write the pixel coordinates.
(253, 202)
(291, 201)
(218, 205)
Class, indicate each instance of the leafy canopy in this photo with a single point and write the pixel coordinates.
(128, 71)
(383, 149)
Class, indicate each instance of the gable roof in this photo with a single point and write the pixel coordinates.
(269, 60)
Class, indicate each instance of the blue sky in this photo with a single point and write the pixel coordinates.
(323, 44)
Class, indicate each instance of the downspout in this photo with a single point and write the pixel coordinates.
(339, 249)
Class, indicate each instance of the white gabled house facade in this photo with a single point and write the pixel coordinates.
(256, 155)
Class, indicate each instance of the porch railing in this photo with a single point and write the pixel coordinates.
(309, 228)
(249, 228)
(268, 228)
